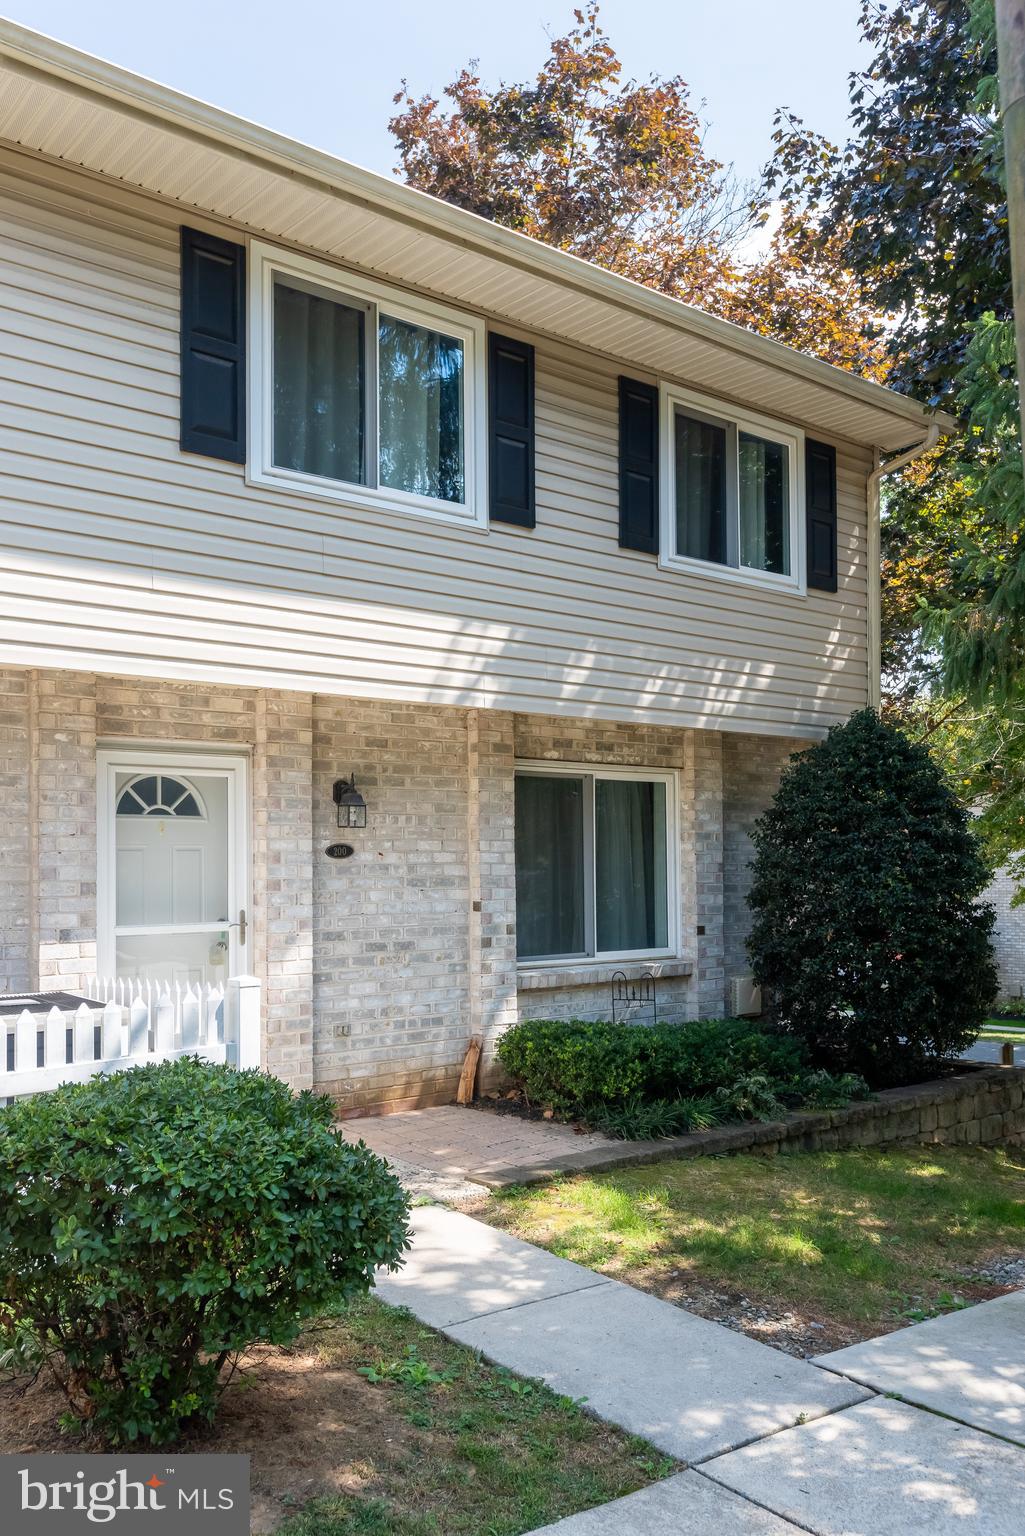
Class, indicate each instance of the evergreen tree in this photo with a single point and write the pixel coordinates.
(868, 933)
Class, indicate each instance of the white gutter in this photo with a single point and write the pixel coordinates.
(875, 479)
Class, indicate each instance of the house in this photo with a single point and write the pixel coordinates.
(1008, 935)
(391, 607)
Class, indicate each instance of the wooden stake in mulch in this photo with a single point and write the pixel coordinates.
(468, 1076)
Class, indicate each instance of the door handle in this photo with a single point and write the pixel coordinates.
(241, 925)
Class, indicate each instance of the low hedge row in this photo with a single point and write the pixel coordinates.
(634, 1080)
(576, 1062)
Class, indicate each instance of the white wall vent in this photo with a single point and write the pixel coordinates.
(745, 997)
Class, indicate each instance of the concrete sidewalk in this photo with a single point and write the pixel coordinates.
(690, 1387)
(685, 1505)
(969, 1365)
(774, 1445)
(883, 1469)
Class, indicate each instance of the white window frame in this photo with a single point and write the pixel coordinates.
(267, 261)
(742, 421)
(595, 956)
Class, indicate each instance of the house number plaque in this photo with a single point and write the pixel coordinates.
(339, 851)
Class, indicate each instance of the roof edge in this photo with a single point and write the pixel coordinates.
(38, 53)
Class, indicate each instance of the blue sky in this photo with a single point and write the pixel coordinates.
(325, 73)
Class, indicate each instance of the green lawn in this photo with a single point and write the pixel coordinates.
(1002, 1029)
(455, 1447)
(857, 1242)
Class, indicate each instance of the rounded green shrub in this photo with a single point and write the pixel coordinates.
(639, 1082)
(575, 1065)
(156, 1223)
(868, 932)
(574, 1062)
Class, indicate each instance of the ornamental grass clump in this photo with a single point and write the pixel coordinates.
(156, 1223)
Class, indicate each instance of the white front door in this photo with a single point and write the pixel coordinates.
(173, 877)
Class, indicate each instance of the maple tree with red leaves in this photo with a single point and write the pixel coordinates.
(616, 171)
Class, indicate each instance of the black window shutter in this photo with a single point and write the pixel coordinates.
(213, 364)
(820, 493)
(511, 430)
(638, 466)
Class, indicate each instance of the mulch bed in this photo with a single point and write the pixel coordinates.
(514, 1103)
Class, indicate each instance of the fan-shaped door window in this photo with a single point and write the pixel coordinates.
(159, 794)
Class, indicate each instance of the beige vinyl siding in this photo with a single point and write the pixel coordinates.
(122, 554)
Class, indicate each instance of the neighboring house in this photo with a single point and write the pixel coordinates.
(307, 476)
(1008, 936)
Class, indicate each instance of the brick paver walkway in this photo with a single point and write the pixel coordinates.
(473, 1146)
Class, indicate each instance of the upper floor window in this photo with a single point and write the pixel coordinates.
(731, 492)
(364, 394)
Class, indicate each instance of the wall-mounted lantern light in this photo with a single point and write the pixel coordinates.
(352, 808)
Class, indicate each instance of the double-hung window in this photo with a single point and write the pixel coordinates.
(732, 490)
(362, 393)
(595, 867)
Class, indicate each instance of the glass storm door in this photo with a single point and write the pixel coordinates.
(172, 877)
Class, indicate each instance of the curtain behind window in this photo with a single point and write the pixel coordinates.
(421, 410)
(764, 524)
(549, 866)
(700, 449)
(318, 385)
(630, 865)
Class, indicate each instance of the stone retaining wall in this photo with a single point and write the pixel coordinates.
(977, 1107)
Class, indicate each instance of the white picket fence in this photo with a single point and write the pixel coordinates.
(127, 1024)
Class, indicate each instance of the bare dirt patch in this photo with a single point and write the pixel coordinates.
(311, 1428)
(330, 1450)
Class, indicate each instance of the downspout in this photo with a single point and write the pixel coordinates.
(928, 442)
